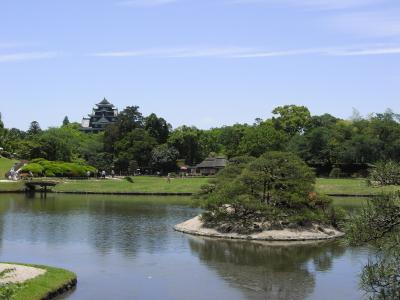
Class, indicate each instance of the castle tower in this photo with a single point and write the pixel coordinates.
(102, 115)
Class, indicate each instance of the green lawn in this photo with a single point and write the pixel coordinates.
(39, 287)
(11, 186)
(350, 203)
(146, 184)
(141, 184)
(350, 186)
(5, 166)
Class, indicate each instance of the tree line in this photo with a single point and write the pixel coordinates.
(136, 141)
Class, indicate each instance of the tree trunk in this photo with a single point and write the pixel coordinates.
(265, 191)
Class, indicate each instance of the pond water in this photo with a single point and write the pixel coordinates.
(125, 248)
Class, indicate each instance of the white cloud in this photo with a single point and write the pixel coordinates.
(366, 51)
(221, 52)
(145, 2)
(315, 4)
(375, 24)
(266, 54)
(14, 57)
(254, 53)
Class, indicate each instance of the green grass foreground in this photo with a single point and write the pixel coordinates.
(11, 186)
(147, 184)
(141, 184)
(40, 287)
(5, 166)
(350, 187)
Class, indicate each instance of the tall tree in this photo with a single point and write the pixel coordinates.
(129, 119)
(34, 128)
(292, 118)
(279, 178)
(210, 142)
(157, 128)
(3, 134)
(230, 138)
(164, 158)
(325, 120)
(137, 146)
(65, 121)
(186, 140)
(261, 138)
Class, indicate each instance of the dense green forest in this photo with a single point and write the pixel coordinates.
(150, 143)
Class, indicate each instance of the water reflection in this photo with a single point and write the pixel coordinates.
(112, 223)
(268, 270)
(125, 248)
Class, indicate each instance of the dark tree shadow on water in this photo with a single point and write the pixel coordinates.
(267, 270)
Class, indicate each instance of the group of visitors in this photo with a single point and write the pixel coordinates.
(13, 175)
(101, 174)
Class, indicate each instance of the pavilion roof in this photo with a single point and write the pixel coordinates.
(213, 162)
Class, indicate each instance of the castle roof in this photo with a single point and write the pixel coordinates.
(103, 114)
(102, 120)
(104, 102)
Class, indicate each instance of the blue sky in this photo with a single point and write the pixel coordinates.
(198, 62)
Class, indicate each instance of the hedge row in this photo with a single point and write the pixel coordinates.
(42, 167)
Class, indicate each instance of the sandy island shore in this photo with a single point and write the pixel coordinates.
(18, 273)
(195, 226)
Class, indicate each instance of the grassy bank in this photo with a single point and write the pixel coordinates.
(146, 184)
(141, 184)
(11, 186)
(350, 187)
(5, 166)
(40, 287)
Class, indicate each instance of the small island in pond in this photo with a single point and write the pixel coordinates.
(269, 198)
(34, 282)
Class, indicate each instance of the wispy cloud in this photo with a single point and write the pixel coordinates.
(279, 53)
(375, 24)
(221, 52)
(247, 52)
(145, 2)
(14, 57)
(328, 51)
(315, 4)
(366, 52)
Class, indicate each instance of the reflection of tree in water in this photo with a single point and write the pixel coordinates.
(108, 224)
(5, 205)
(266, 271)
(128, 228)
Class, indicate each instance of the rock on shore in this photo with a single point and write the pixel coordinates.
(316, 232)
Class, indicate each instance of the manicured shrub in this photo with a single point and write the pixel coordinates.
(35, 168)
(47, 168)
(275, 190)
(49, 173)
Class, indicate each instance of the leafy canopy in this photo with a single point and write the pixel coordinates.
(378, 225)
(277, 187)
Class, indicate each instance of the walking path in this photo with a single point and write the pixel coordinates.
(18, 273)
